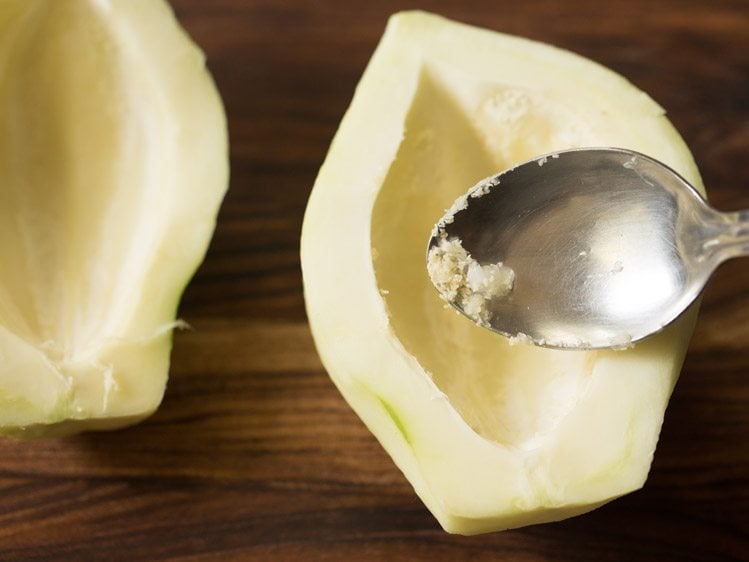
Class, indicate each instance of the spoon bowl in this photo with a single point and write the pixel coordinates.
(607, 246)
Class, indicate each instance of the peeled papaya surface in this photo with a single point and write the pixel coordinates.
(490, 435)
(113, 163)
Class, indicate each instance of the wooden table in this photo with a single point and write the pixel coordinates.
(255, 456)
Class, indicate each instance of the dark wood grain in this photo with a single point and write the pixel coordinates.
(255, 456)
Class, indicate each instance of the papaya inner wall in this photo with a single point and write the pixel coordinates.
(457, 133)
(79, 170)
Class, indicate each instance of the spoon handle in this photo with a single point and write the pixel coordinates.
(733, 240)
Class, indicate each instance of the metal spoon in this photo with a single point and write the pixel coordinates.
(607, 246)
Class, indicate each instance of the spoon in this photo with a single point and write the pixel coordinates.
(585, 248)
